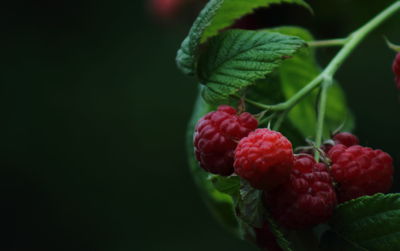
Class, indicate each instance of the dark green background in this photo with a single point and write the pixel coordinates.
(93, 114)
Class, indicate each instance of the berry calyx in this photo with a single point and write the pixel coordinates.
(264, 159)
(216, 136)
(396, 70)
(306, 199)
(360, 171)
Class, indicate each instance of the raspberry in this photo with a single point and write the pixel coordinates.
(396, 69)
(216, 136)
(344, 138)
(360, 171)
(264, 159)
(306, 199)
(265, 239)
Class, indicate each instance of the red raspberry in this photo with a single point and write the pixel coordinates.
(216, 136)
(264, 159)
(305, 200)
(396, 69)
(360, 171)
(265, 239)
(344, 138)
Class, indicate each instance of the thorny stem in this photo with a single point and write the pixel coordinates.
(351, 42)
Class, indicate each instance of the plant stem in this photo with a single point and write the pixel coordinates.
(327, 43)
(351, 43)
(321, 115)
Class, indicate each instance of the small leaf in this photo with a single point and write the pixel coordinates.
(187, 54)
(231, 10)
(370, 222)
(249, 205)
(237, 58)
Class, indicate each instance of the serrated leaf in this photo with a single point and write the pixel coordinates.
(297, 72)
(231, 10)
(237, 58)
(215, 16)
(220, 204)
(187, 54)
(370, 222)
(249, 205)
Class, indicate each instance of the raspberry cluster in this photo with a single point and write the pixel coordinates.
(299, 192)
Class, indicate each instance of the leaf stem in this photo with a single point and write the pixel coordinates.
(352, 41)
(321, 115)
(327, 43)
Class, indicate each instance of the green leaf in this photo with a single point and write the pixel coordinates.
(370, 222)
(215, 16)
(237, 58)
(297, 72)
(231, 10)
(220, 204)
(249, 205)
(187, 54)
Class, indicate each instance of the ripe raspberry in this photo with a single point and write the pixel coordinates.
(265, 239)
(396, 69)
(307, 199)
(216, 136)
(360, 171)
(344, 138)
(264, 159)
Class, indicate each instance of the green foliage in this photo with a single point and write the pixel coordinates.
(237, 58)
(297, 72)
(249, 205)
(229, 185)
(369, 222)
(187, 54)
(215, 16)
(231, 10)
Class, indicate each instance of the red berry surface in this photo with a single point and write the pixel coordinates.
(346, 138)
(265, 239)
(216, 136)
(396, 69)
(360, 171)
(306, 199)
(264, 158)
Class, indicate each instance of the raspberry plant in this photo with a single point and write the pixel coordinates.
(331, 194)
